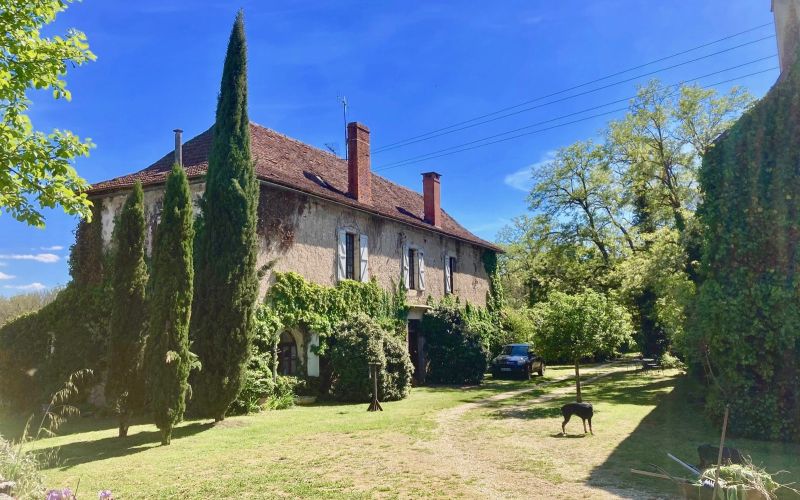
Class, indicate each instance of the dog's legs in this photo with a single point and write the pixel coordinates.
(590, 426)
(584, 426)
(564, 424)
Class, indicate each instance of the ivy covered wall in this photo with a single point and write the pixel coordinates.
(745, 328)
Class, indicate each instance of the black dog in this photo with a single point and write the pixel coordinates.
(583, 410)
(709, 454)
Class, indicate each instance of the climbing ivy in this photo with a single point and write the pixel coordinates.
(495, 298)
(38, 351)
(745, 327)
(294, 302)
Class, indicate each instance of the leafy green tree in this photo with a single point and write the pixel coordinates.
(745, 328)
(604, 214)
(579, 326)
(125, 385)
(227, 285)
(24, 303)
(170, 302)
(36, 171)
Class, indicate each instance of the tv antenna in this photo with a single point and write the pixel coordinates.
(343, 101)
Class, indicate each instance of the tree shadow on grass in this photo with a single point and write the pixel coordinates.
(677, 425)
(81, 452)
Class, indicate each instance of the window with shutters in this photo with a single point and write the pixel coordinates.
(412, 269)
(451, 275)
(350, 256)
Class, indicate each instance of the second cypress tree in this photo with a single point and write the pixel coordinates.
(226, 246)
(125, 385)
(170, 300)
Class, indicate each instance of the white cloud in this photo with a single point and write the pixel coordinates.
(523, 179)
(4, 276)
(32, 287)
(47, 258)
(53, 248)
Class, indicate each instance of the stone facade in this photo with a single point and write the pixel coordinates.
(298, 232)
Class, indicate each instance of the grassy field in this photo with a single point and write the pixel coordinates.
(499, 440)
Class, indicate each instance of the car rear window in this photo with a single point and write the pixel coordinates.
(515, 350)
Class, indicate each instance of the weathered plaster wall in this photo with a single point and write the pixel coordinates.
(298, 233)
(301, 236)
(153, 197)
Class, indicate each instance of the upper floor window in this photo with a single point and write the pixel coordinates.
(352, 256)
(413, 268)
(449, 274)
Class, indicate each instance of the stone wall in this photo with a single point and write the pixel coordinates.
(298, 233)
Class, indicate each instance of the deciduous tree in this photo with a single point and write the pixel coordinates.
(579, 326)
(37, 171)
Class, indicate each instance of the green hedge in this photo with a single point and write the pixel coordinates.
(39, 351)
(455, 344)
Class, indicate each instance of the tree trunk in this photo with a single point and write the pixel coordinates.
(219, 418)
(166, 436)
(578, 381)
(123, 430)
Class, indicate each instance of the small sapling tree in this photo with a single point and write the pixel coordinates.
(578, 326)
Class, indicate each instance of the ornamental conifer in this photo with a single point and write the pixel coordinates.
(226, 247)
(170, 300)
(125, 385)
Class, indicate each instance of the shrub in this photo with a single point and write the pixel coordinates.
(21, 467)
(358, 341)
(455, 350)
(667, 360)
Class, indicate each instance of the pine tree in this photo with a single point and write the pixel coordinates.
(227, 285)
(125, 384)
(170, 301)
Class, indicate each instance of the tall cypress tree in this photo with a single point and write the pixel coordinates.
(225, 253)
(170, 300)
(125, 384)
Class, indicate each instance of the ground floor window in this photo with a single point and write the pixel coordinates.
(287, 355)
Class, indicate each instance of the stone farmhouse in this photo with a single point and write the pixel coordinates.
(330, 219)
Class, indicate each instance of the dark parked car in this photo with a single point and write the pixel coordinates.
(517, 359)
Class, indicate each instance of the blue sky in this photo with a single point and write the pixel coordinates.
(406, 68)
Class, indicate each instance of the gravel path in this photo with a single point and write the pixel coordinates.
(479, 463)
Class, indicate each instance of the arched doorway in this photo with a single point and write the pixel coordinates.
(287, 355)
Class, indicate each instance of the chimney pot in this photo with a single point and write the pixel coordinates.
(431, 192)
(359, 175)
(178, 146)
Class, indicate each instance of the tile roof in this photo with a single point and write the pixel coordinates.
(287, 162)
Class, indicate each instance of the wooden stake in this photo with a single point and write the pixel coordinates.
(375, 405)
(721, 447)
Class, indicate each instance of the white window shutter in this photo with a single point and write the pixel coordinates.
(405, 267)
(341, 255)
(363, 252)
(421, 267)
(447, 274)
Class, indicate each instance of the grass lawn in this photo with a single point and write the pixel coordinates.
(442, 441)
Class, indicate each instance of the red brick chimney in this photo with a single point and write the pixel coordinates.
(359, 176)
(431, 191)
